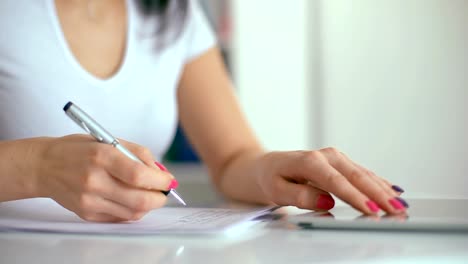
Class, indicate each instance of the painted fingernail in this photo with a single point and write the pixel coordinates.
(325, 202)
(396, 204)
(173, 184)
(373, 206)
(397, 188)
(402, 201)
(160, 166)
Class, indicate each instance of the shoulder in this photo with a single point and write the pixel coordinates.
(185, 37)
(198, 34)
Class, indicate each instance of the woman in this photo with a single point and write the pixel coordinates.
(137, 66)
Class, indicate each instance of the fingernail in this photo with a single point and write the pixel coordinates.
(397, 188)
(173, 184)
(402, 201)
(325, 202)
(396, 204)
(373, 206)
(160, 166)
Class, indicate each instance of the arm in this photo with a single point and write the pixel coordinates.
(242, 170)
(213, 121)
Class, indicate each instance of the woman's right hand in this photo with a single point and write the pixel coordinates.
(98, 182)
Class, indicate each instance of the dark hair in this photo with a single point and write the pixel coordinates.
(170, 14)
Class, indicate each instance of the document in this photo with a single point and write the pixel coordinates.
(45, 215)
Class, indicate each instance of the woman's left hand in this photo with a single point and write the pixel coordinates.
(307, 178)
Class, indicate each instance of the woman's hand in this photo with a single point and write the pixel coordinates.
(306, 178)
(98, 182)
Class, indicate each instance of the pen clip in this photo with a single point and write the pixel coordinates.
(83, 125)
(90, 131)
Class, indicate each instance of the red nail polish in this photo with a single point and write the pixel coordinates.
(396, 204)
(325, 202)
(173, 184)
(373, 206)
(160, 166)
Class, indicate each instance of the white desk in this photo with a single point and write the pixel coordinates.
(267, 242)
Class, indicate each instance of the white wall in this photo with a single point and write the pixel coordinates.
(383, 80)
(395, 87)
(269, 68)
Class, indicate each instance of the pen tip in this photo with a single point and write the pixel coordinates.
(176, 195)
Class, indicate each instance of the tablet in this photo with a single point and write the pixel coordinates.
(423, 215)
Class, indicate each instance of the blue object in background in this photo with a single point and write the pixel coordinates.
(181, 150)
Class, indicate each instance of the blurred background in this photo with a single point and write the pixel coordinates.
(385, 81)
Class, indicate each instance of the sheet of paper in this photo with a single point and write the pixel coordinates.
(44, 215)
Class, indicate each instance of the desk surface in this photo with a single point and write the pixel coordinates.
(270, 241)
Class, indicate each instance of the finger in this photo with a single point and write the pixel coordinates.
(301, 195)
(363, 182)
(141, 152)
(394, 187)
(108, 207)
(137, 200)
(396, 190)
(95, 204)
(385, 184)
(137, 174)
(381, 181)
(102, 218)
(145, 155)
(334, 182)
(313, 166)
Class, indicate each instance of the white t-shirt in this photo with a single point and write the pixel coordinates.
(39, 75)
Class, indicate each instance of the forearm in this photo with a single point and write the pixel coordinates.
(17, 179)
(239, 178)
(213, 121)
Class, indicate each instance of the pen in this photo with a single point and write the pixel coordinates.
(97, 131)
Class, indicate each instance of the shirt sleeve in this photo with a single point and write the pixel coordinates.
(199, 36)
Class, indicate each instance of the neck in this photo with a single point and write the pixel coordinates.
(94, 10)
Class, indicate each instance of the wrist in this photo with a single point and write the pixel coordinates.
(31, 164)
(35, 160)
(256, 166)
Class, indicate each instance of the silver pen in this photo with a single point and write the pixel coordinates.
(97, 131)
